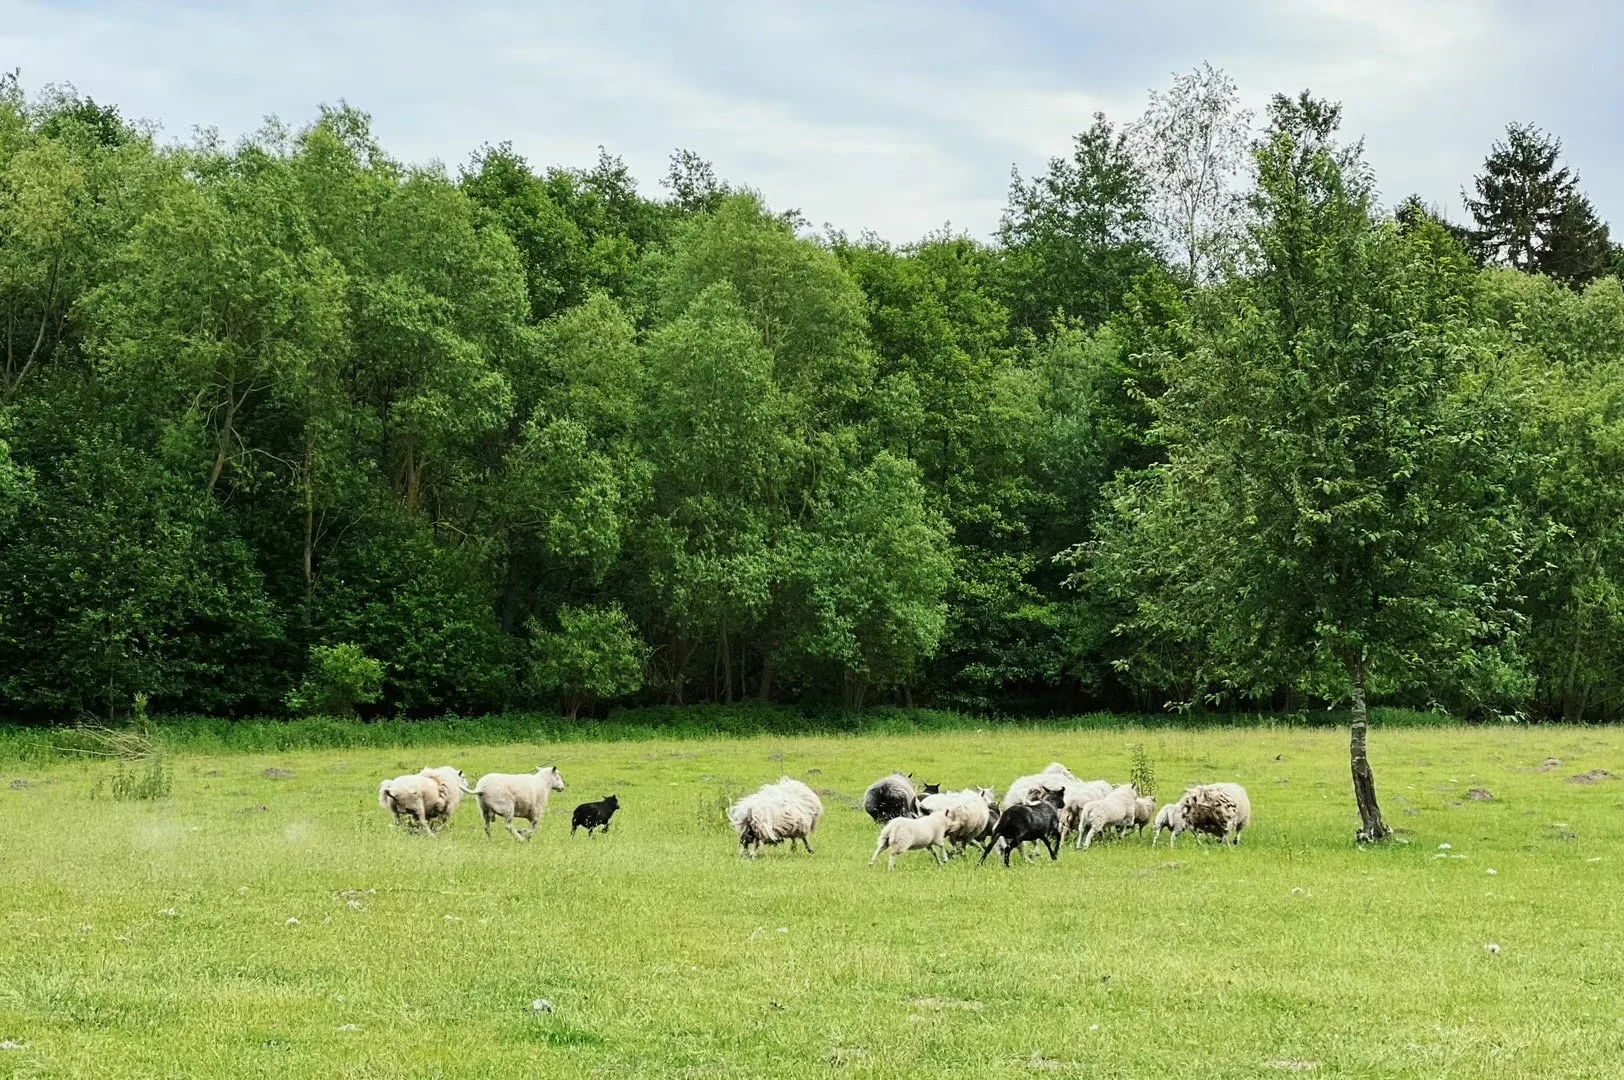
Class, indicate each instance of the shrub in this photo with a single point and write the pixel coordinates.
(1142, 772)
(596, 654)
(340, 678)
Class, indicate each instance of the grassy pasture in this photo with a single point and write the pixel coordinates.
(143, 940)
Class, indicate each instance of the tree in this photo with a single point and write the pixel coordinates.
(594, 655)
(1075, 237)
(1334, 511)
(1191, 144)
(1530, 214)
(340, 678)
(869, 574)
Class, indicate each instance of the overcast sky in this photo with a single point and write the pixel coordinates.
(897, 117)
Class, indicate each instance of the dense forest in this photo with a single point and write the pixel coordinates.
(289, 425)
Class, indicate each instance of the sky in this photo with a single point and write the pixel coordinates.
(899, 117)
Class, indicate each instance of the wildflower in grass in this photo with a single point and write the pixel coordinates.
(292, 921)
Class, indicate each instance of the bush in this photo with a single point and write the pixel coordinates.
(340, 678)
(596, 654)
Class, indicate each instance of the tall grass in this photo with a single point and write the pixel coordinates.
(206, 734)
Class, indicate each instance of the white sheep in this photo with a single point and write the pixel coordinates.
(425, 797)
(974, 811)
(903, 834)
(511, 795)
(1113, 811)
(1221, 810)
(1054, 778)
(1144, 809)
(787, 810)
(1171, 818)
(1075, 797)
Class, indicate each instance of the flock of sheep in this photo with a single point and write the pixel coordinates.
(1045, 808)
(427, 799)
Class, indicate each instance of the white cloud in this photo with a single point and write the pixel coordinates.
(895, 117)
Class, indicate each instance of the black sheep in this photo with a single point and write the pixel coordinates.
(1023, 823)
(891, 797)
(593, 815)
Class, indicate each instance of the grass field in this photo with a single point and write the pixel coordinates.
(142, 939)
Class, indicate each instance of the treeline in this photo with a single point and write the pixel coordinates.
(290, 426)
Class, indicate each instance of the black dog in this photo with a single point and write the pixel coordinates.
(594, 815)
(1020, 824)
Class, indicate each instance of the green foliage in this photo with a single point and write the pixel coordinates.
(1142, 771)
(291, 394)
(595, 655)
(1530, 214)
(339, 678)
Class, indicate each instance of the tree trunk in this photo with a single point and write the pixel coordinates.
(1371, 826)
(765, 690)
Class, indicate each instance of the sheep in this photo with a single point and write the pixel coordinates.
(1076, 796)
(1221, 810)
(891, 797)
(594, 815)
(1054, 778)
(787, 810)
(1113, 811)
(1171, 818)
(425, 797)
(975, 813)
(1144, 810)
(1018, 825)
(905, 834)
(511, 795)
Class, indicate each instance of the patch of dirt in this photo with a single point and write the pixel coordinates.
(278, 774)
(20, 784)
(1548, 764)
(1148, 871)
(844, 800)
(260, 809)
(1594, 776)
(214, 773)
(946, 1003)
(1479, 794)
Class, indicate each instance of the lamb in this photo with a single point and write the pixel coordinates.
(594, 815)
(905, 834)
(1018, 825)
(1144, 809)
(974, 813)
(1054, 778)
(1171, 818)
(511, 795)
(1076, 796)
(891, 797)
(787, 810)
(425, 797)
(1113, 811)
(1221, 810)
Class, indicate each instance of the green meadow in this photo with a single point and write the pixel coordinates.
(265, 919)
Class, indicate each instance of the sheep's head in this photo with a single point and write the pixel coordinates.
(612, 802)
(555, 779)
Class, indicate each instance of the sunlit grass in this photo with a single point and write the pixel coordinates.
(145, 939)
